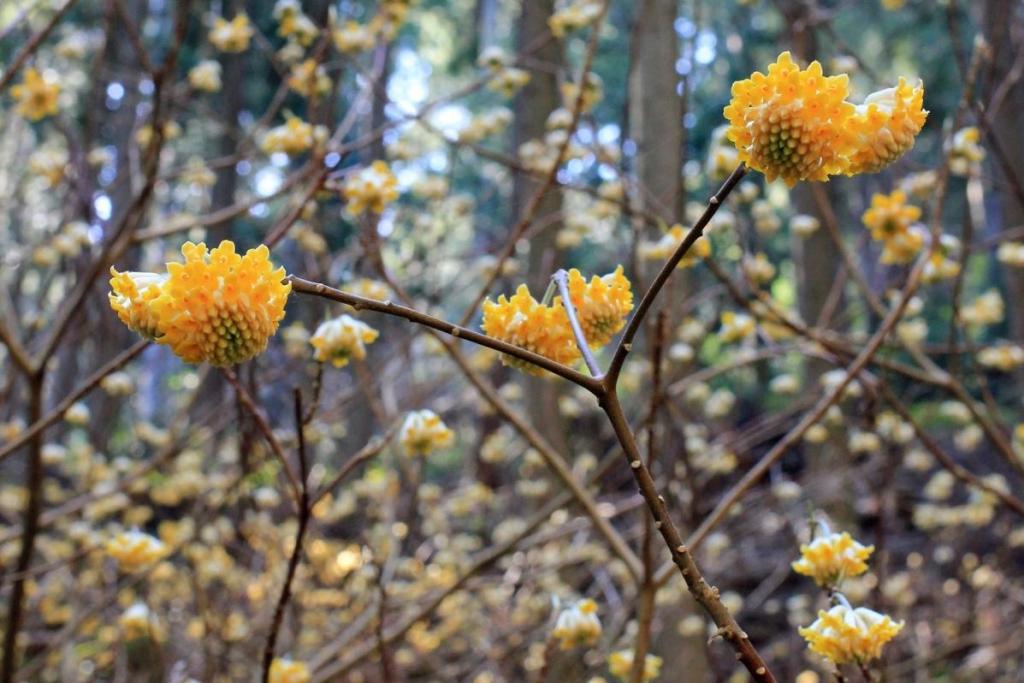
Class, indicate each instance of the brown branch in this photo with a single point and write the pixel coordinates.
(264, 428)
(293, 561)
(34, 476)
(33, 44)
(390, 308)
(58, 410)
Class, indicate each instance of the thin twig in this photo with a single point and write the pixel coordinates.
(264, 427)
(561, 278)
(293, 561)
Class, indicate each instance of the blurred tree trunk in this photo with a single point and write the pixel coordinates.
(1003, 29)
(532, 106)
(817, 263)
(656, 127)
(656, 109)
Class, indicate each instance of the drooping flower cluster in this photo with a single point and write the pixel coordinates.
(284, 670)
(294, 136)
(341, 339)
(218, 306)
(885, 126)
(138, 622)
(796, 124)
(308, 78)
(135, 549)
(205, 76)
(577, 625)
(845, 634)
(601, 306)
(37, 94)
(232, 36)
(370, 189)
(523, 321)
(620, 664)
(831, 558)
(661, 249)
(293, 23)
(424, 432)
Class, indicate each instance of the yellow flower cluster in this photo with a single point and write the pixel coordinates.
(577, 625)
(353, 37)
(620, 664)
(294, 136)
(885, 127)
(796, 124)
(601, 304)
(218, 306)
(288, 671)
(309, 78)
(341, 339)
(133, 298)
(135, 549)
(205, 76)
(844, 634)
(736, 326)
(423, 432)
(370, 189)
(231, 36)
(37, 94)
(1003, 357)
(893, 222)
(523, 321)
(965, 154)
(138, 622)
(574, 16)
(831, 558)
(293, 24)
(661, 249)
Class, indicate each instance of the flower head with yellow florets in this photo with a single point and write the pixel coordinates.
(601, 304)
(792, 123)
(886, 125)
(283, 670)
(218, 306)
(524, 322)
(891, 221)
(844, 634)
(796, 124)
(132, 298)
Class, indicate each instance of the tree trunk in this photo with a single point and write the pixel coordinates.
(532, 106)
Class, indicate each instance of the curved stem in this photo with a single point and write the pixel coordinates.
(560, 278)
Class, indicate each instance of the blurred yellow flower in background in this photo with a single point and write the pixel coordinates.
(340, 339)
(231, 36)
(831, 558)
(423, 432)
(37, 94)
